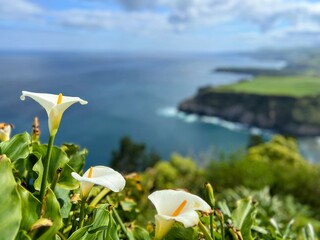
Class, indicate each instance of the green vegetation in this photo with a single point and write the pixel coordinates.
(132, 156)
(295, 86)
(270, 192)
(273, 174)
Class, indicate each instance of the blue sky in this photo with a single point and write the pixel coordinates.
(158, 25)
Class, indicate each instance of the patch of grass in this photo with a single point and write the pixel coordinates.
(295, 86)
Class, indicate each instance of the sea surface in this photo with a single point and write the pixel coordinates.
(129, 94)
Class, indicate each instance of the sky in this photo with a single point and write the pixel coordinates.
(158, 25)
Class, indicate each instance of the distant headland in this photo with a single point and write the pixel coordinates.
(286, 100)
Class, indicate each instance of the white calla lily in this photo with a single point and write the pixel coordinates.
(54, 105)
(100, 175)
(5, 131)
(176, 205)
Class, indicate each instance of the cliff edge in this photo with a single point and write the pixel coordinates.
(297, 116)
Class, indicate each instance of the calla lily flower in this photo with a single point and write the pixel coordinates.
(5, 131)
(100, 175)
(54, 105)
(176, 205)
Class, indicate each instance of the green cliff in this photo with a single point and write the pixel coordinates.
(287, 114)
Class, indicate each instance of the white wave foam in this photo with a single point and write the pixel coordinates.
(191, 118)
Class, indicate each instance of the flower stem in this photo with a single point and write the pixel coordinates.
(98, 198)
(82, 211)
(204, 231)
(219, 214)
(61, 236)
(119, 221)
(211, 226)
(56, 178)
(46, 165)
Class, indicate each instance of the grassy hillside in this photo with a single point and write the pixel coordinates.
(296, 86)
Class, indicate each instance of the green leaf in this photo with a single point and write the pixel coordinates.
(66, 180)
(224, 208)
(288, 229)
(10, 210)
(17, 147)
(38, 169)
(178, 232)
(81, 233)
(308, 232)
(51, 211)
(140, 233)
(30, 206)
(103, 227)
(64, 200)
(23, 235)
(243, 217)
(77, 158)
(58, 160)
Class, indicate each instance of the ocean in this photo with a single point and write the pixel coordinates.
(129, 94)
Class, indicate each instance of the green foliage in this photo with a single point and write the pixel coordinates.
(278, 149)
(180, 233)
(178, 172)
(276, 164)
(103, 227)
(10, 211)
(30, 207)
(243, 217)
(132, 156)
(238, 213)
(51, 210)
(296, 86)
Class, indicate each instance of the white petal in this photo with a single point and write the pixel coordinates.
(76, 176)
(99, 171)
(167, 201)
(47, 101)
(54, 110)
(103, 176)
(188, 219)
(85, 187)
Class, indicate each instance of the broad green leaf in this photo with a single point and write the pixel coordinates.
(17, 147)
(63, 197)
(17, 150)
(66, 180)
(243, 217)
(58, 160)
(103, 227)
(10, 210)
(51, 211)
(30, 206)
(77, 157)
(38, 169)
(81, 234)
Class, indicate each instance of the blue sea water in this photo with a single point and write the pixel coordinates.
(129, 94)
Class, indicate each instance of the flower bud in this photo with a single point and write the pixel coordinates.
(210, 195)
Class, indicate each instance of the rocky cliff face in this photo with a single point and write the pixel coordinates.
(285, 114)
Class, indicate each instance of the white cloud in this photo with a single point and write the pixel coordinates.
(278, 20)
(18, 9)
(110, 20)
